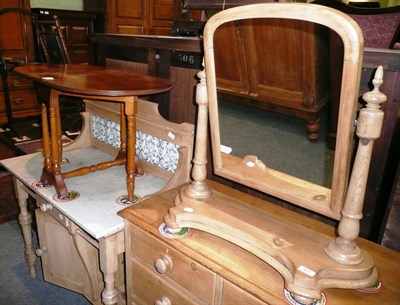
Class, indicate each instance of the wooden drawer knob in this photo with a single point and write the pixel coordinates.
(163, 301)
(163, 263)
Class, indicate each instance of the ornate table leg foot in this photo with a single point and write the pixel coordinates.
(25, 221)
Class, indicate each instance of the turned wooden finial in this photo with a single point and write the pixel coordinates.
(374, 98)
(344, 249)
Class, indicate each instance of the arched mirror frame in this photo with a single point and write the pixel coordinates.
(252, 172)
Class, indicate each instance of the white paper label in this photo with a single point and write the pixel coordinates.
(225, 149)
(171, 135)
(306, 271)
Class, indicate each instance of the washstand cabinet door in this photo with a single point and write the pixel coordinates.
(61, 262)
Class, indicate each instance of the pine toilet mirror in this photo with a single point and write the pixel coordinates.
(337, 263)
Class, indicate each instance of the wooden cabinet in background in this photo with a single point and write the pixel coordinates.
(17, 45)
(144, 17)
(23, 99)
(76, 26)
(276, 65)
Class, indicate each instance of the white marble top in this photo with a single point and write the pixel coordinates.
(95, 211)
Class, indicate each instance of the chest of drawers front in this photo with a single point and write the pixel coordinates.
(161, 275)
(196, 269)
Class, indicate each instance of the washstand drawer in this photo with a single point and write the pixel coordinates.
(167, 262)
(233, 295)
(47, 208)
(148, 288)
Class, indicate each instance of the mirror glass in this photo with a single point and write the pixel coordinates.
(278, 140)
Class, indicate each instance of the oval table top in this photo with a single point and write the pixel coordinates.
(94, 80)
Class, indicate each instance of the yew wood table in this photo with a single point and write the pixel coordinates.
(94, 83)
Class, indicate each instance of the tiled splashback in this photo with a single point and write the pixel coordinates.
(76, 5)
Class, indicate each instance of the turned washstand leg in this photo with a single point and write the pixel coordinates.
(25, 221)
(109, 266)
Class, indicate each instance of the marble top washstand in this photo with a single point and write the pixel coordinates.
(95, 210)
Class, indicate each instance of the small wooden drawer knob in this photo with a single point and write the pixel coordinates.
(163, 301)
(163, 263)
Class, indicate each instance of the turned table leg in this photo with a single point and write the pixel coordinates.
(130, 112)
(46, 177)
(25, 221)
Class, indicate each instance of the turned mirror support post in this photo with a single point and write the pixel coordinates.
(344, 249)
(198, 188)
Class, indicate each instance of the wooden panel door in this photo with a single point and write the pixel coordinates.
(161, 16)
(127, 16)
(147, 17)
(282, 55)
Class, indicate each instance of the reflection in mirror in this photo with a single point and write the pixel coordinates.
(277, 140)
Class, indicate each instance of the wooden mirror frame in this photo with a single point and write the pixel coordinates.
(252, 172)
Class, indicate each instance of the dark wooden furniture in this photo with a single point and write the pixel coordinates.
(17, 96)
(386, 152)
(391, 232)
(76, 27)
(52, 42)
(98, 7)
(142, 17)
(176, 58)
(202, 269)
(95, 83)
